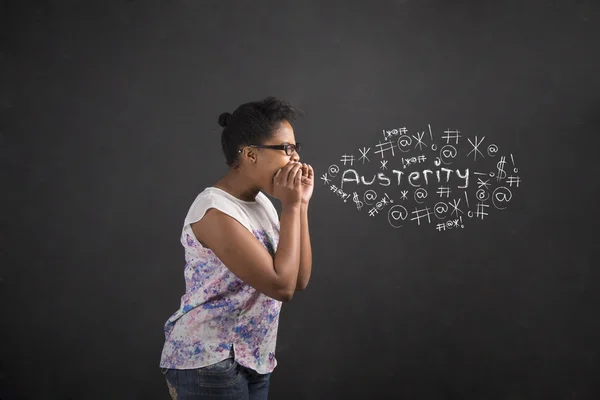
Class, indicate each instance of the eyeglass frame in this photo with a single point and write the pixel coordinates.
(284, 147)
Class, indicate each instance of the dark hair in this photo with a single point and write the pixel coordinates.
(253, 123)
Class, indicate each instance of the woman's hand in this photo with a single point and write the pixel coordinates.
(308, 183)
(288, 186)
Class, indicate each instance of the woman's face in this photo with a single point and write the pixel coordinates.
(269, 161)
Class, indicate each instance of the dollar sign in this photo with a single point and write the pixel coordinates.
(359, 203)
(500, 165)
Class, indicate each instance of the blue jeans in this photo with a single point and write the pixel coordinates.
(225, 380)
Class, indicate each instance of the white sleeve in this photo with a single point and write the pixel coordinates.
(272, 211)
(205, 202)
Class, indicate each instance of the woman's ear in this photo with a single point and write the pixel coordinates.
(249, 154)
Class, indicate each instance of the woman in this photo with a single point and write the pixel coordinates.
(242, 261)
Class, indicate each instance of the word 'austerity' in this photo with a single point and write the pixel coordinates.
(414, 178)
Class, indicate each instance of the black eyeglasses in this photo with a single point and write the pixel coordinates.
(288, 148)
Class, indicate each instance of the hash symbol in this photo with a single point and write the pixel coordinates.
(363, 153)
(325, 178)
(443, 190)
(348, 159)
(475, 147)
(481, 210)
(513, 179)
(421, 158)
(372, 212)
(422, 213)
(441, 227)
(384, 164)
(455, 135)
(389, 146)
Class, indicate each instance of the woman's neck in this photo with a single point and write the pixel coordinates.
(238, 185)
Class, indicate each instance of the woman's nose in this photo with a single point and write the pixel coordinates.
(295, 157)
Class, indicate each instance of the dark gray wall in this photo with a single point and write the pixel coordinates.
(109, 130)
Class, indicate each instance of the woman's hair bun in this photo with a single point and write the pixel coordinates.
(224, 119)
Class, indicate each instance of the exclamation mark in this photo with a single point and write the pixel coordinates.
(461, 223)
(388, 197)
(346, 196)
(513, 163)
(404, 165)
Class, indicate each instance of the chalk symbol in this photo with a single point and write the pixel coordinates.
(475, 148)
(348, 159)
(492, 150)
(396, 215)
(482, 195)
(384, 201)
(501, 173)
(403, 194)
(419, 139)
(359, 204)
(455, 209)
(370, 197)
(430, 133)
(501, 197)
(467, 199)
(513, 180)
(333, 170)
(443, 191)
(480, 213)
(388, 134)
(451, 135)
(420, 194)
(440, 210)
(363, 155)
(325, 178)
(384, 164)
(373, 211)
(481, 184)
(404, 143)
(447, 153)
(420, 214)
(515, 170)
(437, 162)
(389, 146)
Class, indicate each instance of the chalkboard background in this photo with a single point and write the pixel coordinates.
(109, 130)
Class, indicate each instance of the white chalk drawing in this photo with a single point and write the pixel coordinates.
(359, 204)
(492, 150)
(385, 146)
(515, 170)
(459, 192)
(420, 195)
(404, 143)
(363, 154)
(347, 159)
(397, 214)
(333, 170)
(476, 148)
(447, 154)
(370, 197)
(501, 197)
(451, 135)
(419, 139)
